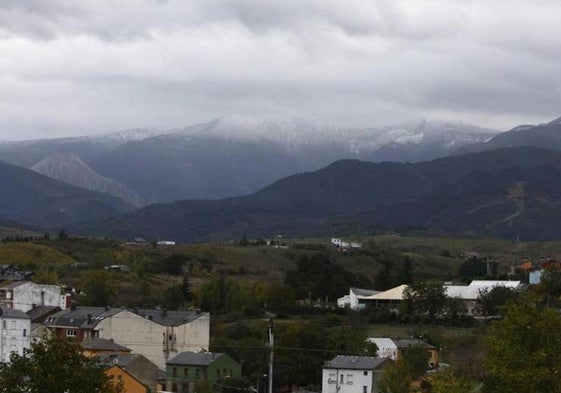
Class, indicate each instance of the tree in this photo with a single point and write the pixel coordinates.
(62, 235)
(455, 308)
(280, 299)
(524, 350)
(44, 276)
(54, 366)
(395, 378)
(417, 359)
(426, 297)
(98, 288)
(445, 382)
(186, 288)
(491, 301)
(551, 282)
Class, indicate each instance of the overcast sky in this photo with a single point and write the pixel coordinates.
(78, 67)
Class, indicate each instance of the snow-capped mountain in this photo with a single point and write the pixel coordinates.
(297, 133)
(229, 155)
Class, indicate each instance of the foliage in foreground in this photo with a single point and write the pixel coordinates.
(524, 350)
(54, 366)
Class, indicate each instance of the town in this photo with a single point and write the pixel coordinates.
(212, 333)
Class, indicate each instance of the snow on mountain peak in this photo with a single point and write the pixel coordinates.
(298, 132)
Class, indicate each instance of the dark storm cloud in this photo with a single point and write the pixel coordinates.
(72, 67)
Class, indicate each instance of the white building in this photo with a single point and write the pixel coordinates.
(353, 299)
(157, 334)
(470, 293)
(393, 348)
(352, 374)
(26, 295)
(15, 332)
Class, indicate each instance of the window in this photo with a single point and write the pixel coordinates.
(342, 378)
(198, 373)
(174, 372)
(349, 379)
(71, 333)
(366, 373)
(365, 389)
(24, 332)
(186, 372)
(332, 378)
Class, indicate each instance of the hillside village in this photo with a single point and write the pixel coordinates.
(189, 349)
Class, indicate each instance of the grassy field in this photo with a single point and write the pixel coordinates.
(32, 254)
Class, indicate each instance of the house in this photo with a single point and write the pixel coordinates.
(354, 299)
(392, 298)
(39, 331)
(343, 245)
(469, 255)
(26, 295)
(119, 376)
(94, 346)
(352, 374)
(470, 293)
(184, 370)
(393, 348)
(15, 332)
(134, 371)
(165, 243)
(118, 268)
(12, 273)
(157, 334)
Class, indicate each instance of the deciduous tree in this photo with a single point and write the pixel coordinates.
(524, 350)
(55, 366)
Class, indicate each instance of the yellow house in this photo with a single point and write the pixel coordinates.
(120, 376)
(134, 371)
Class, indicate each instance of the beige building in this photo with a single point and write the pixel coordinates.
(157, 334)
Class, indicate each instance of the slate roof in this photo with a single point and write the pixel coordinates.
(102, 344)
(39, 313)
(6, 312)
(355, 362)
(402, 343)
(364, 292)
(195, 358)
(122, 359)
(78, 317)
(168, 318)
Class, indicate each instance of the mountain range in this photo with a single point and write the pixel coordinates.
(513, 192)
(501, 184)
(31, 199)
(226, 157)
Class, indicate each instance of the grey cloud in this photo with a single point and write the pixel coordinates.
(104, 65)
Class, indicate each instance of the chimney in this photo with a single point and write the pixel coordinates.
(150, 317)
(73, 306)
(89, 318)
(107, 308)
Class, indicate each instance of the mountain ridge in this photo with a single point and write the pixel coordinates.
(473, 193)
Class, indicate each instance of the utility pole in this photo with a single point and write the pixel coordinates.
(271, 344)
